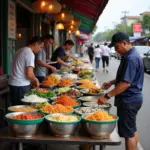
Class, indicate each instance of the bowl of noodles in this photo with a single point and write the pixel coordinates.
(62, 125)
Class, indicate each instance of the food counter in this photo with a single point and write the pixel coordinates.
(63, 93)
(79, 138)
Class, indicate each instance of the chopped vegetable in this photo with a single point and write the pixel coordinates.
(26, 117)
(41, 94)
(66, 101)
(63, 89)
(63, 118)
(50, 80)
(72, 93)
(100, 116)
(58, 108)
(23, 109)
(66, 82)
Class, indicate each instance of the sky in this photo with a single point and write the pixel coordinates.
(113, 12)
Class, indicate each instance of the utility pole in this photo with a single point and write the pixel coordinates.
(114, 24)
(125, 20)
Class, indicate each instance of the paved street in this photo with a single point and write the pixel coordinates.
(143, 122)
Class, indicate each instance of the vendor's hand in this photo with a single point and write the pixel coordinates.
(35, 83)
(48, 61)
(106, 86)
(102, 100)
(69, 65)
(53, 69)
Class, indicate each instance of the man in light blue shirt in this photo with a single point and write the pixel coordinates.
(41, 63)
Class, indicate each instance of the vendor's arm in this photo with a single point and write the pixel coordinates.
(107, 85)
(42, 64)
(126, 79)
(29, 69)
(70, 56)
(120, 88)
(31, 76)
(60, 61)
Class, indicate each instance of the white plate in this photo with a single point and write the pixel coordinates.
(50, 63)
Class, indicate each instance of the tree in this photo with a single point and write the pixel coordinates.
(146, 22)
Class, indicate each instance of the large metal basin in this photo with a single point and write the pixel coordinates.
(100, 129)
(23, 128)
(62, 129)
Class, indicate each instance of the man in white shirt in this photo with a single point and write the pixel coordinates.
(105, 57)
(97, 54)
(22, 72)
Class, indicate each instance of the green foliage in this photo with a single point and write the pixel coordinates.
(106, 36)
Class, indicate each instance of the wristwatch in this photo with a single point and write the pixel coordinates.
(106, 96)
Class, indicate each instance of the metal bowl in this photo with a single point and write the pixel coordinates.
(23, 128)
(100, 129)
(105, 107)
(62, 129)
(89, 98)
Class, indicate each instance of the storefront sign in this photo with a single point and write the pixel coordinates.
(11, 20)
(137, 27)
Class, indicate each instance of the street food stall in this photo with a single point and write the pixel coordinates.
(63, 110)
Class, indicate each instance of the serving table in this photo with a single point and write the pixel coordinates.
(81, 137)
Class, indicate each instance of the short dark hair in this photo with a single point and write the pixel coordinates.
(47, 37)
(69, 42)
(105, 44)
(35, 39)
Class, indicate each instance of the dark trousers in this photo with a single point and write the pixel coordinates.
(97, 61)
(17, 93)
(40, 78)
(91, 58)
(105, 59)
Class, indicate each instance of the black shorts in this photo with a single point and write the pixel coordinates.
(127, 118)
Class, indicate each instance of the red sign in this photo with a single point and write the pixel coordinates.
(137, 27)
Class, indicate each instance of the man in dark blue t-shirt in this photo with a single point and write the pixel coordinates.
(59, 54)
(128, 89)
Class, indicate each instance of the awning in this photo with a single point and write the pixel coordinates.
(88, 11)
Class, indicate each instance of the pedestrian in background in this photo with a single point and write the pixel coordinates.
(91, 52)
(82, 50)
(128, 89)
(105, 57)
(97, 54)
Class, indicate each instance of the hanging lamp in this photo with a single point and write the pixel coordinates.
(63, 15)
(60, 26)
(69, 31)
(77, 33)
(47, 6)
(75, 22)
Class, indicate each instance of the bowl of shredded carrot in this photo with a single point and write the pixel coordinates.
(100, 124)
(67, 101)
(58, 108)
(66, 82)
